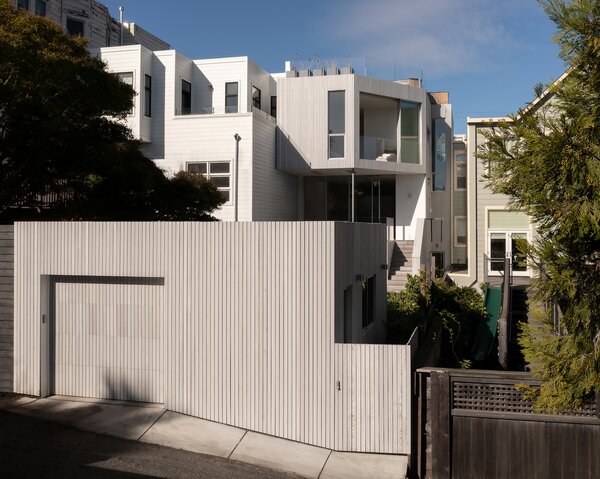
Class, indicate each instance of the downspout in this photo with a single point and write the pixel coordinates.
(237, 162)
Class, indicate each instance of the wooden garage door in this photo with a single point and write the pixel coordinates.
(106, 338)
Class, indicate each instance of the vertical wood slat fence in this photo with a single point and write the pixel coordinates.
(481, 425)
(6, 307)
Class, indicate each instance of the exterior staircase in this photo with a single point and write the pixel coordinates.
(400, 265)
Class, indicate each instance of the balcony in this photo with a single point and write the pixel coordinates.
(378, 149)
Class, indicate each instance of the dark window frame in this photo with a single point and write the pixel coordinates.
(256, 99)
(23, 4)
(41, 8)
(274, 106)
(147, 95)
(186, 97)
(73, 22)
(369, 287)
(236, 108)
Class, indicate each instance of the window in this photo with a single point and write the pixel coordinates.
(127, 78)
(368, 301)
(255, 97)
(438, 168)
(460, 231)
(24, 4)
(336, 123)
(409, 132)
(75, 28)
(274, 106)
(231, 97)
(147, 95)
(218, 172)
(460, 172)
(40, 8)
(186, 97)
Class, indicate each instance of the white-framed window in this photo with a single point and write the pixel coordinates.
(460, 172)
(460, 231)
(218, 172)
(127, 78)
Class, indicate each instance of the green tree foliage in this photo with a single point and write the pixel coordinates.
(458, 309)
(547, 160)
(60, 133)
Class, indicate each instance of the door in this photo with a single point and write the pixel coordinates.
(106, 338)
(511, 244)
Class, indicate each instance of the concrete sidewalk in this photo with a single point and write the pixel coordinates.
(153, 424)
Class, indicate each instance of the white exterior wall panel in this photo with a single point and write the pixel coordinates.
(248, 317)
(274, 193)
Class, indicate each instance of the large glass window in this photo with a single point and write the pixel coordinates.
(460, 172)
(231, 97)
(409, 132)
(336, 123)
(439, 155)
(218, 172)
(256, 95)
(75, 28)
(40, 8)
(147, 95)
(24, 4)
(186, 97)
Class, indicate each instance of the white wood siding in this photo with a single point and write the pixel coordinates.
(107, 339)
(249, 314)
(274, 193)
(373, 400)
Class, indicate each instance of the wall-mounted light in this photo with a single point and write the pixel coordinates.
(360, 277)
(384, 266)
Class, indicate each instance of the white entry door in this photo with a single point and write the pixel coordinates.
(106, 339)
(503, 244)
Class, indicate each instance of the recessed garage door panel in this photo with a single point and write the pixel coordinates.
(108, 340)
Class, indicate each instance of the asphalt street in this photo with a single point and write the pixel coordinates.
(35, 448)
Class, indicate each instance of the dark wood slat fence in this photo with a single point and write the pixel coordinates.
(6, 307)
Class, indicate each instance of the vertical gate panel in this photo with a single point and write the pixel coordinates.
(106, 339)
(373, 398)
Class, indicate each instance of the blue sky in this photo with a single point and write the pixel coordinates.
(488, 54)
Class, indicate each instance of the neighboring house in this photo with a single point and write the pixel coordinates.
(91, 20)
(322, 145)
(493, 230)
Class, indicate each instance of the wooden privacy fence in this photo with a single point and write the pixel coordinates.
(6, 307)
(474, 424)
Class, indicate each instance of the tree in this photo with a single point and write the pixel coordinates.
(61, 134)
(547, 160)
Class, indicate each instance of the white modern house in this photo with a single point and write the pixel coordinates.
(299, 145)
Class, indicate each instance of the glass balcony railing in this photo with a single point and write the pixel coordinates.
(378, 149)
